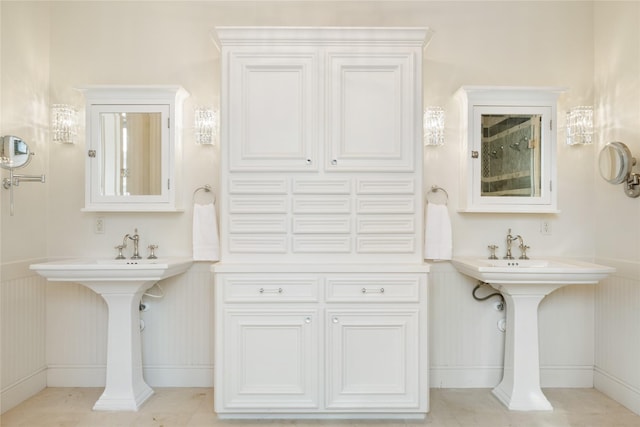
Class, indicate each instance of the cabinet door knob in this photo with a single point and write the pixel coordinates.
(308, 161)
(334, 320)
(307, 319)
(334, 162)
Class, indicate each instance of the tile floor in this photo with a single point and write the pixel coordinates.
(182, 407)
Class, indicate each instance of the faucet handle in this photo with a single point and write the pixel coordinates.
(120, 248)
(524, 248)
(492, 249)
(152, 254)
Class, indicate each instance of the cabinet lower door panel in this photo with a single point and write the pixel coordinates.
(271, 359)
(373, 359)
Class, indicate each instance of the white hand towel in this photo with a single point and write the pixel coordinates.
(438, 241)
(206, 244)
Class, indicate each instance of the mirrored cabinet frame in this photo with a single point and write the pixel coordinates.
(508, 162)
(129, 168)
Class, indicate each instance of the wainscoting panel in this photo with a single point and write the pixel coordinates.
(467, 349)
(617, 358)
(177, 339)
(22, 319)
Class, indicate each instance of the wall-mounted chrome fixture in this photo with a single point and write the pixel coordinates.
(433, 123)
(616, 167)
(580, 125)
(205, 125)
(14, 154)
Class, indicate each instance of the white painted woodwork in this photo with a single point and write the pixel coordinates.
(314, 340)
(22, 334)
(478, 100)
(617, 334)
(311, 117)
(373, 358)
(248, 185)
(371, 108)
(271, 358)
(167, 101)
(273, 121)
(322, 165)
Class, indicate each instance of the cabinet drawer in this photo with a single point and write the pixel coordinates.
(374, 288)
(274, 288)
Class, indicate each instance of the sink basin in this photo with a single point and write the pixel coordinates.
(524, 283)
(83, 270)
(555, 271)
(121, 283)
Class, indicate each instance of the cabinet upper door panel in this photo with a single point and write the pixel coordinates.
(273, 118)
(371, 98)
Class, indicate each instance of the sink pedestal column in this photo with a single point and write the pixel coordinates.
(520, 386)
(125, 388)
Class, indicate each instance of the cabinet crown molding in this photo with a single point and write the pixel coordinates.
(289, 36)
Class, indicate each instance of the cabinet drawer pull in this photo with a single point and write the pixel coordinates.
(371, 291)
(335, 320)
(270, 291)
(307, 320)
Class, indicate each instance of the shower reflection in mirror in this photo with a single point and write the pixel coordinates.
(511, 155)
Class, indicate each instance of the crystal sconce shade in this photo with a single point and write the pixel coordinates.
(205, 125)
(433, 126)
(580, 125)
(64, 123)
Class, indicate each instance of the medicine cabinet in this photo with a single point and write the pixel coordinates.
(133, 147)
(509, 155)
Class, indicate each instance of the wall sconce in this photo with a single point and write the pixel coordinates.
(205, 125)
(433, 123)
(64, 123)
(580, 125)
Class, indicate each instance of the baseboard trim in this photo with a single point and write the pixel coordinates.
(20, 391)
(465, 377)
(179, 376)
(490, 376)
(617, 389)
(155, 376)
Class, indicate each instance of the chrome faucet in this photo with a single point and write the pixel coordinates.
(136, 240)
(510, 239)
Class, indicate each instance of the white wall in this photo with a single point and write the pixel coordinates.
(617, 98)
(475, 43)
(24, 100)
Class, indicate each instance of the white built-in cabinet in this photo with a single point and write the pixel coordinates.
(307, 340)
(305, 108)
(321, 291)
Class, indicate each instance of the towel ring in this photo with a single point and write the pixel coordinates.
(207, 189)
(435, 189)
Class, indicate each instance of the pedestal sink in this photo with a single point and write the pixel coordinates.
(524, 283)
(121, 283)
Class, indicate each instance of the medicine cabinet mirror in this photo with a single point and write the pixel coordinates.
(133, 144)
(509, 158)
